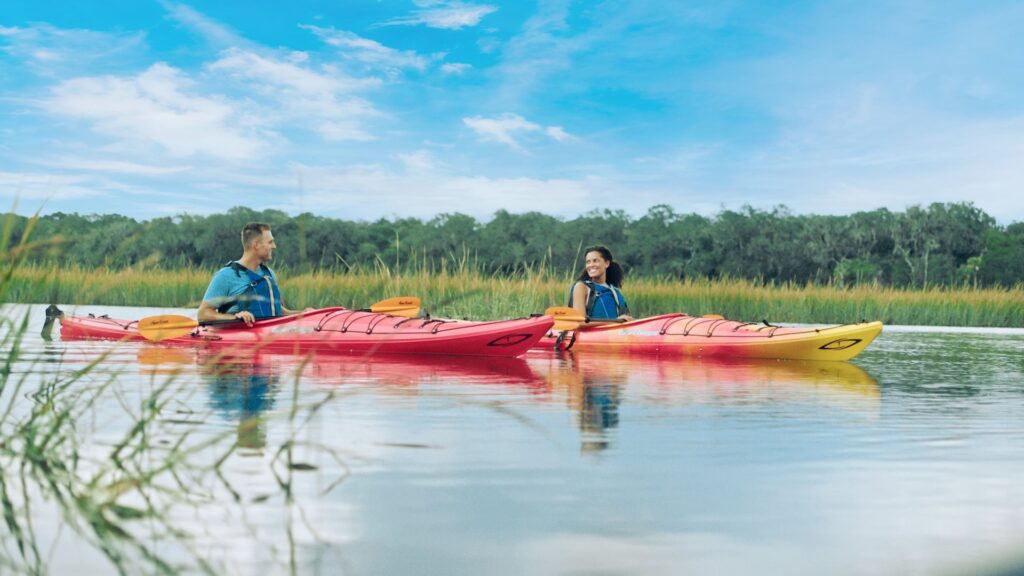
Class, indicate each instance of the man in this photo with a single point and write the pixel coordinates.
(246, 288)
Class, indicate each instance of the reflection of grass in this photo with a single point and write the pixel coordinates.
(464, 292)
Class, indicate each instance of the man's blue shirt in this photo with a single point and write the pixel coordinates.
(245, 290)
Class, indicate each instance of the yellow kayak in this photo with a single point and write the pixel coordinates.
(680, 334)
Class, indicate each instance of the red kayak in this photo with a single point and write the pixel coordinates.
(339, 330)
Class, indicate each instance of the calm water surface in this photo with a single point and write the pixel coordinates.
(907, 460)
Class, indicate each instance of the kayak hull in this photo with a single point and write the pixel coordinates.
(339, 330)
(682, 335)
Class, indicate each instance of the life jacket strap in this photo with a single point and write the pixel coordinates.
(592, 297)
(250, 292)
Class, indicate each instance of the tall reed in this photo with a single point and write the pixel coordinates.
(463, 292)
(124, 494)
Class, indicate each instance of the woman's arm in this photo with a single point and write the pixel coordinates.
(579, 298)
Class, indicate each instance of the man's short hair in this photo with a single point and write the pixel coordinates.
(252, 231)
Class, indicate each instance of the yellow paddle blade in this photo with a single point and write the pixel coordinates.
(566, 318)
(714, 316)
(406, 306)
(157, 328)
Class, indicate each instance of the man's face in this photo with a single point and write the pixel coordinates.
(264, 246)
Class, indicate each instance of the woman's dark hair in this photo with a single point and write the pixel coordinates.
(614, 274)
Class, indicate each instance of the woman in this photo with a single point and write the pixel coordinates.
(596, 294)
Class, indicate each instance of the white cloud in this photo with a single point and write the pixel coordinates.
(426, 189)
(285, 89)
(508, 128)
(558, 133)
(46, 55)
(155, 108)
(111, 166)
(52, 51)
(449, 16)
(455, 68)
(370, 52)
(230, 114)
(212, 31)
(421, 160)
(501, 129)
(322, 100)
(40, 186)
(270, 71)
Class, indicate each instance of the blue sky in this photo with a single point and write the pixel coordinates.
(364, 109)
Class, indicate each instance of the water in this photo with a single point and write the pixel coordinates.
(907, 460)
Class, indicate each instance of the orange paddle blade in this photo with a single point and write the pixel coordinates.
(566, 318)
(406, 306)
(157, 328)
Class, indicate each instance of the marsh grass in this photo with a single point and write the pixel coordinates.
(742, 299)
(126, 492)
(122, 493)
(461, 291)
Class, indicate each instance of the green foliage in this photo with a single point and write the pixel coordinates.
(1003, 260)
(920, 247)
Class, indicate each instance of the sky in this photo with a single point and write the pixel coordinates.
(363, 109)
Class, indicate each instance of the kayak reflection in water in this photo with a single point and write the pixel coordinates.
(597, 293)
(243, 393)
(246, 288)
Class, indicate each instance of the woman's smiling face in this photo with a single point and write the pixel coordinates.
(597, 266)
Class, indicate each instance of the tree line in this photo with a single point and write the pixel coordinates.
(947, 244)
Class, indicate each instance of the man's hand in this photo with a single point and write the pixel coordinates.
(246, 317)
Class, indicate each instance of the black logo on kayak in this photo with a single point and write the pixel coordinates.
(841, 344)
(510, 340)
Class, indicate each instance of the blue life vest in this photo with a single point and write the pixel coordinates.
(262, 297)
(603, 302)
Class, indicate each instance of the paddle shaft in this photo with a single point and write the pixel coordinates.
(227, 321)
(232, 321)
(163, 327)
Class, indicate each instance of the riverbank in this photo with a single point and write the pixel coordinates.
(469, 294)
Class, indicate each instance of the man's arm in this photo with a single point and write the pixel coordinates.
(207, 313)
(215, 292)
(290, 312)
